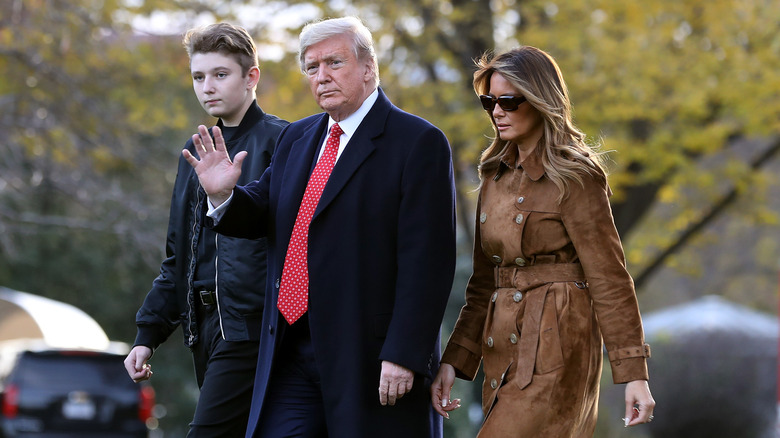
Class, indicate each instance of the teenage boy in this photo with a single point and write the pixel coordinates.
(210, 284)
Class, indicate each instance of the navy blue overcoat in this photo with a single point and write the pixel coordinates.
(381, 263)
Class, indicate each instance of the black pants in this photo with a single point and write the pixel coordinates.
(225, 372)
(293, 406)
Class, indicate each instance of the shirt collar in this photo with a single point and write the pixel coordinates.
(350, 124)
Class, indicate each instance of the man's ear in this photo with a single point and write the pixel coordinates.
(252, 77)
(368, 74)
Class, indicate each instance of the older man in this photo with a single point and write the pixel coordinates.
(358, 207)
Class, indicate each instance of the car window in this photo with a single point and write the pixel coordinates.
(65, 370)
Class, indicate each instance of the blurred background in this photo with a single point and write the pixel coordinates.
(96, 104)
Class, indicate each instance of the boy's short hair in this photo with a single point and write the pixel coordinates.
(224, 38)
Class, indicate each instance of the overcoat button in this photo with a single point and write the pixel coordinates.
(520, 200)
(493, 298)
(482, 217)
(497, 259)
(493, 383)
(513, 338)
(520, 261)
(519, 218)
(490, 342)
(518, 296)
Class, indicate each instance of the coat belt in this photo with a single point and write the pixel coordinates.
(534, 281)
(529, 277)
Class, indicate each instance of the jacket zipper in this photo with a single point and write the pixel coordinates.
(190, 268)
(216, 284)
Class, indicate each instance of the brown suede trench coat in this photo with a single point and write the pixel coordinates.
(549, 282)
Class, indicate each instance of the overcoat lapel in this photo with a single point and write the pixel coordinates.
(296, 173)
(360, 147)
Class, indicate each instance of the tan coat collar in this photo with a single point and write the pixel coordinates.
(532, 164)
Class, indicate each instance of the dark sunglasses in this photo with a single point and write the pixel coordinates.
(507, 103)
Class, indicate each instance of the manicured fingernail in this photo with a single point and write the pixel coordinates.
(444, 402)
(626, 420)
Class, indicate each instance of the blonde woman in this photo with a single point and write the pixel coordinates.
(549, 278)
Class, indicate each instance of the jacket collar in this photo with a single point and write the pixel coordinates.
(532, 164)
(253, 115)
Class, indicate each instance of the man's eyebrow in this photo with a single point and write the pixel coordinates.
(219, 67)
(328, 57)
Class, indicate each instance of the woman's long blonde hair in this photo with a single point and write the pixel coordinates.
(564, 153)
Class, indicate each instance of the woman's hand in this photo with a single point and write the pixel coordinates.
(639, 403)
(440, 391)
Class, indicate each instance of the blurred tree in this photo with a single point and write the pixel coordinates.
(90, 110)
(666, 84)
(663, 84)
(93, 119)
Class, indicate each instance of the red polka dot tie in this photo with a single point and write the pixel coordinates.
(294, 288)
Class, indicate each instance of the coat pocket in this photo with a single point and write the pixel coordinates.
(549, 354)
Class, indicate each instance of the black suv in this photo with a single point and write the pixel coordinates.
(78, 393)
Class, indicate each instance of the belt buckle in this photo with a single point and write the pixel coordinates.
(207, 297)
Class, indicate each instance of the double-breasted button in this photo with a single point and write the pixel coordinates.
(493, 383)
(520, 200)
(513, 338)
(493, 298)
(520, 261)
(497, 259)
(490, 341)
(519, 218)
(482, 218)
(518, 296)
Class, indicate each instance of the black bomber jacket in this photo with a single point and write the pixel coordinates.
(240, 263)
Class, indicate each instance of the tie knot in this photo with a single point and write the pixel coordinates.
(335, 130)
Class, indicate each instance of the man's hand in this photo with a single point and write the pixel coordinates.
(394, 382)
(440, 391)
(217, 174)
(135, 363)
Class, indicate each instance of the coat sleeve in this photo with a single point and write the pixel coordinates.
(587, 216)
(464, 348)
(425, 253)
(247, 215)
(160, 312)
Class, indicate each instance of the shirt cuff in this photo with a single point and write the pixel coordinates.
(216, 213)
